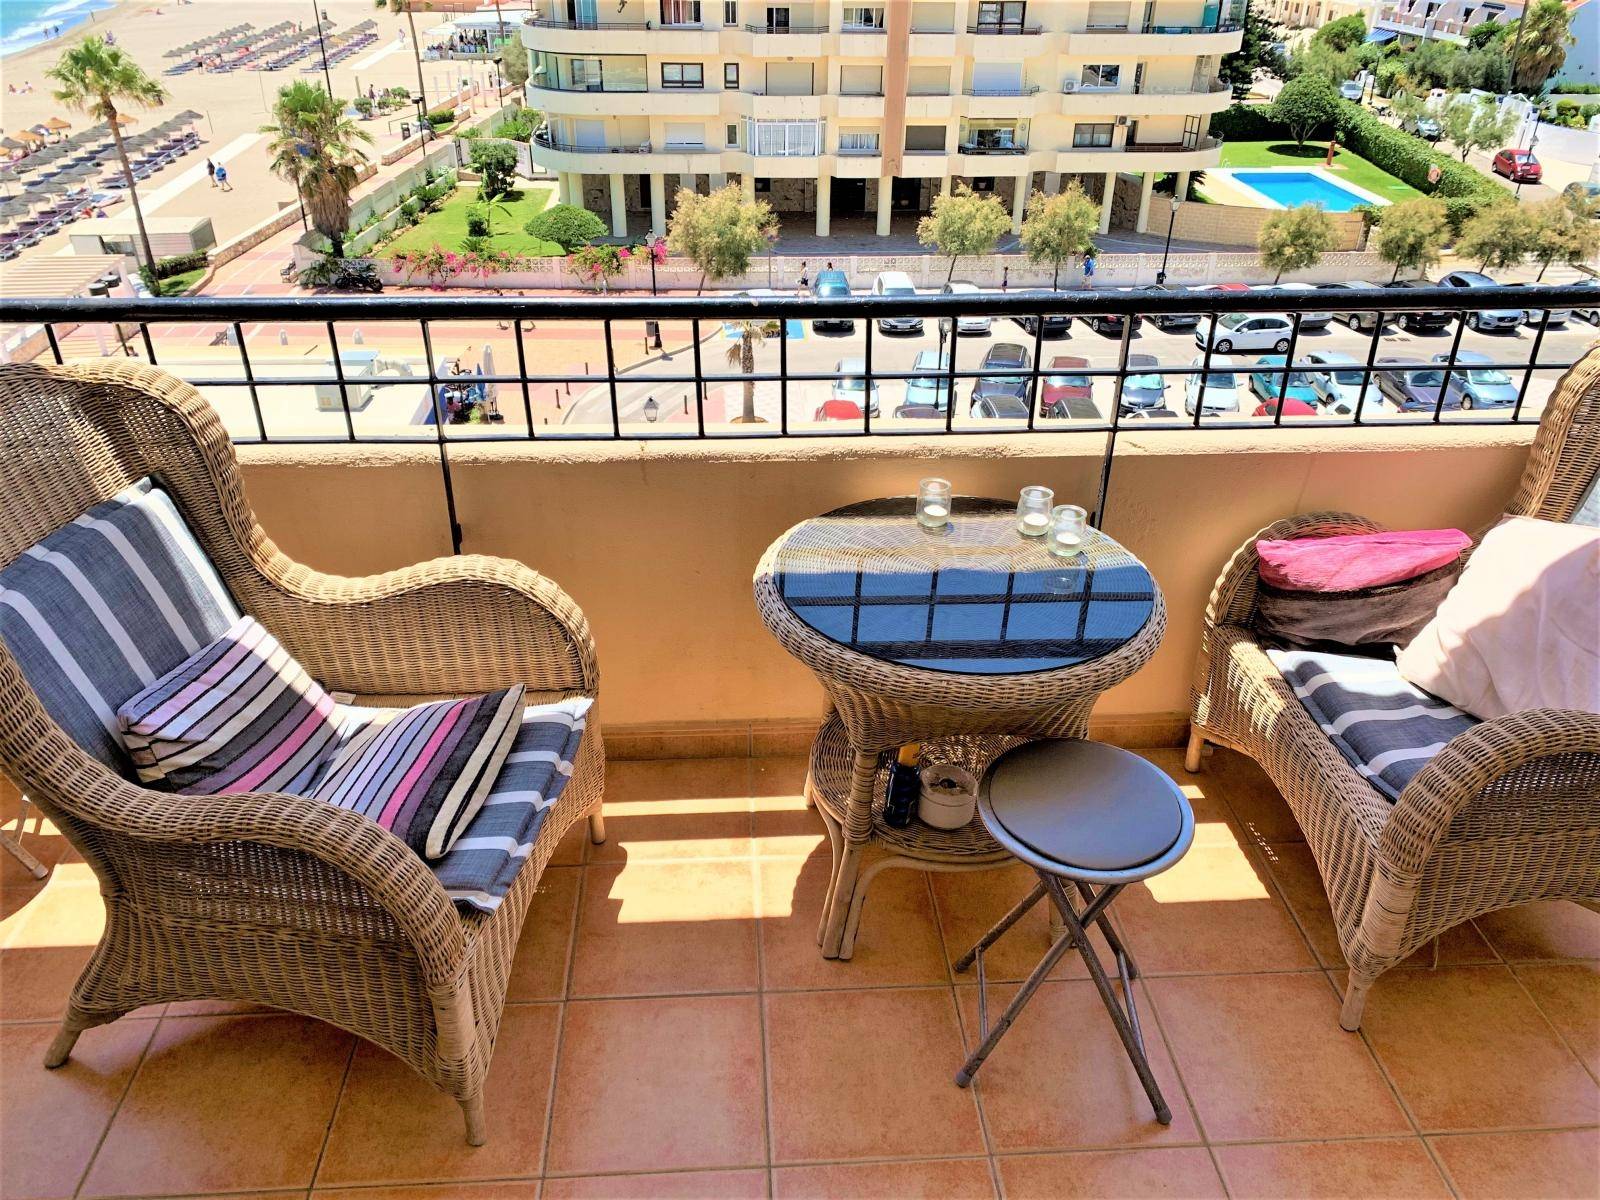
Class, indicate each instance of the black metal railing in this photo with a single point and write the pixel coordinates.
(552, 143)
(580, 23)
(781, 29)
(1031, 89)
(1005, 29)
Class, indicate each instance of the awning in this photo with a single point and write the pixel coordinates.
(1380, 36)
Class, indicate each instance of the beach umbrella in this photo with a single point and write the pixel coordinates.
(10, 143)
(28, 136)
(57, 123)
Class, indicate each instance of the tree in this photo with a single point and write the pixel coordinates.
(1344, 34)
(1294, 239)
(751, 335)
(1305, 105)
(514, 65)
(1410, 234)
(1319, 60)
(963, 224)
(1539, 40)
(1476, 124)
(1485, 32)
(95, 78)
(1256, 52)
(1498, 236)
(1060, 226)
(1406, 106)
(567, 225)
(496, 163)
(720, 232)
(1561, 233)
(318, 149)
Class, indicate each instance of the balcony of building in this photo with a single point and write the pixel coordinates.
(670, 1024)
(1136, 39)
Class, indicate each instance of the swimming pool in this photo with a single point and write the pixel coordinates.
(1289, 189)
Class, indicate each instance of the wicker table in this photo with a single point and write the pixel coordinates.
(969, 640)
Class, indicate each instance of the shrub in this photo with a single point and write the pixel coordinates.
(567, 225)
(1247, 123)
(496, 163)
(179, 263)
(477, 220)
(1305, 105)
(1463, 189)
(439, 117)
(364, 106)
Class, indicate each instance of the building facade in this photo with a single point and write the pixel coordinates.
(1310, 14)
(868, 110)
(1437, 20)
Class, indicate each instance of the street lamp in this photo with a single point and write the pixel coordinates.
(423, 128)
(652, 410)
(323, 45)
(1161, 275)
(651, 243)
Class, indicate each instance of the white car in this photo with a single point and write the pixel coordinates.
(1254, 333)
(1223, 384)
(1337, 379)
(1350, 90)
(964, 323)
(896, 283)
(1308, 320)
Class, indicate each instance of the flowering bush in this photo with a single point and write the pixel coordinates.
(598, 265)
(438, 264)
(648, 250)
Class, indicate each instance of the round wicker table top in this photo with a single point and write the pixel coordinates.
(975, 598)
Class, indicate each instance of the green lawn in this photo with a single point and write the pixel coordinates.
(1345, 164)
(177, 285)
(448, 225)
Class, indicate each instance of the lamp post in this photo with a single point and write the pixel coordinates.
(423, 128)
(650, 244)
(323, 46)
(1161, 275)
(652, 410)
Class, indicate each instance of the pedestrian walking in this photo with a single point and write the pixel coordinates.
(805, 277)
(211, 172)
(1088, 265)
(1005, 278)
(222, 178)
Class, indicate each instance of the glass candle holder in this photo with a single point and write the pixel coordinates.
(1069, 529)
(933, 503)
(1033, 511)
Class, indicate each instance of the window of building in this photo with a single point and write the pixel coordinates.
(730, 76)
(733, 135)
(683, 75)
(858, 141)
(1001, 16)
(680, 12)
(861, 17)
(730, 12)
(1101, 75)
(1091, 135)
(925, 137)
(860, 80)
(928, 81)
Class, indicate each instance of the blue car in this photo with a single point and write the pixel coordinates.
(1266, 384)
(1472, 386)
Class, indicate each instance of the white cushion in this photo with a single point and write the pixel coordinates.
(1521, 628)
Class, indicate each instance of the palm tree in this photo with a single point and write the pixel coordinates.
(316, 147)
(94, 78)
(742, 354)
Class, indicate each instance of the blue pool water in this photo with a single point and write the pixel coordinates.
(1293, 188)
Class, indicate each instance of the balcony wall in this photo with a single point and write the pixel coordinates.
(1125, 45)
(657, 541)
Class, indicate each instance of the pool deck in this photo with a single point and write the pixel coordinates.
(1221, 187)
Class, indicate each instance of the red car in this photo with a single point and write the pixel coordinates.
(1291, 408)
(1066, 389)
(839, 410)
(1519, 166)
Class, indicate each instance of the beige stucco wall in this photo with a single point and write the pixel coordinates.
(1236, 225)
(658, 541)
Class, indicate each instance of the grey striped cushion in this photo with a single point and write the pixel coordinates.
(1385, 727)
(480, 868)
(106, 605)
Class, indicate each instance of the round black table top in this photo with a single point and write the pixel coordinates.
(975, 598)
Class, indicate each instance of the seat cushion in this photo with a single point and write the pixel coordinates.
(1386, 728)
(106, 605)
(480, 868)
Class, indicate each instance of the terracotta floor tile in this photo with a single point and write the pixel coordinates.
(394, 1127)
(1176, 1174)
(679, 1185)
(657, 1085)
(53, 1119)
(1563, 1165)
(784, 826)
(454, 1190)
(224, 1104)
(45, 944)
(573, 847)
(937, 1179)
(1569, 995)
(1294, 870)
(1260, 808)
(898, 942)
(1397, 1169)
(1060, 1079)
(654, 928)
(676, 808)
(969, 904)
(1467, 1049)
(867, 1074)
(1263, 1057)
(539, 971)
(1549, 929)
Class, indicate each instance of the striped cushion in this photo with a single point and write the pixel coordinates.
(480, 868)
(107, 605)
(1386, 728)
(239, 716)
(424, 772)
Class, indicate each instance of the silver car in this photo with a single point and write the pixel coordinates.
(965, 323)
(1474, 386)
(1308, 320)
(1483, 319)
(1254, 333)
(1340, 383)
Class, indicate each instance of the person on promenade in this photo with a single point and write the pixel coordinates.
(211, 172)
(222, 178)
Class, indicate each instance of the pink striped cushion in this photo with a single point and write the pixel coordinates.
(239, 715)
(1349, 562)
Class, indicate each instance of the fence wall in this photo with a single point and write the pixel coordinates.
(1236, 225)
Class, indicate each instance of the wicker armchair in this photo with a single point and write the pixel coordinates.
(1503, 815)
(274, 898)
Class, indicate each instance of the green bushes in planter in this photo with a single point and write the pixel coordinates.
(478, 220)
(439, 117)
(567, 225)
(178, 264)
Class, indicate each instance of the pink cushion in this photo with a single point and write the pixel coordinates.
(1351, 561)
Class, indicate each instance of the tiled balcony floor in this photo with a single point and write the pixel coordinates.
(672, 1032)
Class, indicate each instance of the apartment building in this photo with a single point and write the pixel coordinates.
(833, 109)
(1310, 14)
(1436, 20)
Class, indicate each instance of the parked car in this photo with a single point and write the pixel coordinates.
(1221, 386)
(1267, 383)
(896, 283)
(1291, 408)
(1519, 166)
(1110, 324)
(930, 386)
(1350, 90)
(839, 410)
(1162, 413)
(1473, 386)
(964, 323)
(919, 411)
(850, 384)
(1409, 385)
(1424, 126)
(1055, 324)
(1066, 391)
(1361, 322)
(1340, 383)
(1558, 316)
(1143, 387)
(1007, 358)
(1186, 320)
(1007, 397)
(832, 285)
(1430, 321)
(1483, 319)
(1308, 320)
(1250, 332)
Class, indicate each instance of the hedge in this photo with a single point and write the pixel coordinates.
(179, 263)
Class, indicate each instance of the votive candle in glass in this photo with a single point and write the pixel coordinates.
(933, 503)
(1033, 511)
(1069, 529)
